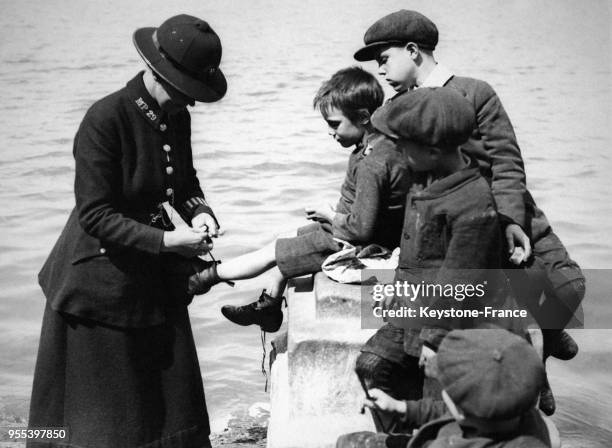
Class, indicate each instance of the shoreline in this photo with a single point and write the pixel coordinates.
(248, 429)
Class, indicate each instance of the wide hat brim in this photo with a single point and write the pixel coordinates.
(371, 51)
(210, 88)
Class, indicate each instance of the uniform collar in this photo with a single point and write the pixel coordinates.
(438, 77)
(145, 104)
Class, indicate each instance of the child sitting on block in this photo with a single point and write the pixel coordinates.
(370, 210)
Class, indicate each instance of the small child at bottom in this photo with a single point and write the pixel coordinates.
(491, 380)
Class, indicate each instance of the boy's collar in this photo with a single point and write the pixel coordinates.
(364, 145)
(438, 77)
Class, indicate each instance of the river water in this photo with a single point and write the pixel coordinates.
(262, 153)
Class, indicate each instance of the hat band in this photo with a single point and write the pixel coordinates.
(206, 74)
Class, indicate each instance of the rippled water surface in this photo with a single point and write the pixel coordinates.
(262, 153)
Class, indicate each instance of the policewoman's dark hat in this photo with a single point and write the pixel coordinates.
(185, 52)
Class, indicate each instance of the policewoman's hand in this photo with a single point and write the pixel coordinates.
(187, 242)
(204, 221)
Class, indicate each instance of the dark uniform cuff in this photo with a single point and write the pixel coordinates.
(195, 206)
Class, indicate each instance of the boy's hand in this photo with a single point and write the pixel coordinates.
(381, 401)
(323, 212)
(519, 246)
(205, 222)
(427, 355)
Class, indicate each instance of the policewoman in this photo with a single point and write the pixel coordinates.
(117, 364)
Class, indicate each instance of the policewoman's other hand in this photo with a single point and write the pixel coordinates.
(204, 221)
(187, 241)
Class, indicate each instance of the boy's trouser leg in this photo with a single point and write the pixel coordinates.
(304, 253)
(560, 278)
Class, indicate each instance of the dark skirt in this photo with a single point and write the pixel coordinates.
(117, 387)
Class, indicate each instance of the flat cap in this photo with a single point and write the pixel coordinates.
(436, 116)
(399, 27)
(490, 374)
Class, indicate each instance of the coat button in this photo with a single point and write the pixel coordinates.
(166, 148)
(169, 170)
(169, 192)
(102, 250)
(163, 127)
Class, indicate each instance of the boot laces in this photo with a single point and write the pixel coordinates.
(263, 359)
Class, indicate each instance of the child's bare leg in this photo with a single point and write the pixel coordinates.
(248, 265)
(277, 283)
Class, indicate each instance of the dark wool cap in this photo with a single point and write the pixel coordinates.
(437, 116)
(490, 374)
(398, 28)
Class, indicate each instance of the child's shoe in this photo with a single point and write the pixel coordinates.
(559, 344)
(205, 277)
(547, 400)
(265, 312)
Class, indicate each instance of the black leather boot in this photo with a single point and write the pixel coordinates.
(204, 278)
(547, 400)
(265, 312)
(559, 344)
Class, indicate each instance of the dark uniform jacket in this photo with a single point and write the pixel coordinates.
(451, 235)
(373, 195)
(130, 157)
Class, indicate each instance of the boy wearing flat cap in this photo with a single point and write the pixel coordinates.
(402, 43)
(491, 380)
(451, 231)
(117, 364)
(451, 228)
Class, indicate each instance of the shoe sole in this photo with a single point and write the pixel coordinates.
(265, 327)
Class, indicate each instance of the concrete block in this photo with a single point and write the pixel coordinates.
(335, 299)
(315, 394)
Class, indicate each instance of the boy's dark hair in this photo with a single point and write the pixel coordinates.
(349, 90)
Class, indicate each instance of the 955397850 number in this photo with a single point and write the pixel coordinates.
(57, 433)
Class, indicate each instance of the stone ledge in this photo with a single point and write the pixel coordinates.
(315, 394)
(336, 299)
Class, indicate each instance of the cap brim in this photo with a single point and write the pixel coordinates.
(379, 121)
(211, 89)
(371, 51)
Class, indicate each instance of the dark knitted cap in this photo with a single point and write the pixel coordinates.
(490, 374)
(398, 28)
(437, 116)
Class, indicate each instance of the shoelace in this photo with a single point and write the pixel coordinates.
(214, 260)
(263, 359)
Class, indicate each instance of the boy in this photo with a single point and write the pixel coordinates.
(370, 209)
(451, 229)
(491, 380)
(403, 43)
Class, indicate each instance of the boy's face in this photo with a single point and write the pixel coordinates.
(397, 65)
(419, 157)
(343, 130)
